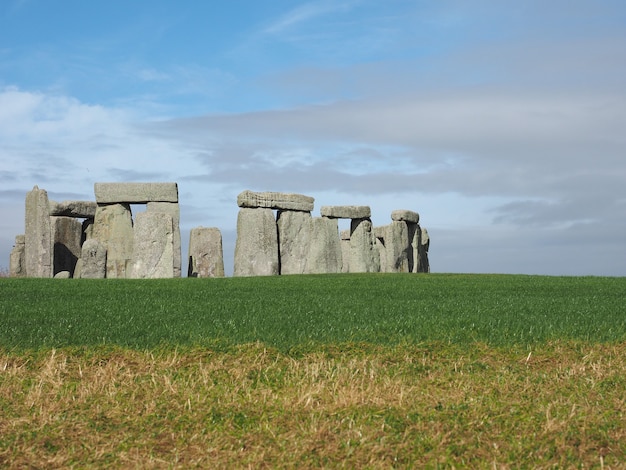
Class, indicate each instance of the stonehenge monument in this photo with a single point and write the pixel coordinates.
(276, 235)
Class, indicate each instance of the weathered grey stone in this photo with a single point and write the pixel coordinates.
(379, 243)
(423, 244)
(66, 238)
(325, 248)
(364, 256)
(344, 236)
(87, 229)
(206, 257)
(346, 212)
(153, 247)
(294, 238)
(135, 193)
(271, 200)
(17, 260)
(413, 252)
(93, 260)
(397, 248)
(113, 226)
(63, 275)
(78, 209)
(37, 237)
(173, 209)
(256, 248)
(402, 215)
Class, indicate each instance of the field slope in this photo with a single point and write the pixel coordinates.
(346, 371)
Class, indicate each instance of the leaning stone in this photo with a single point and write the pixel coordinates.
(93, 260)
(78, 209)
(294, 238)
(135, 193)
(271, 200)
(401, 215)
(17, 260)
(113, 226)
(63, 275)
(364, 257)
(325, 249)
(37, 237)
(397, 248)
(153, 247)
(206, 257)
(66, 235)
(173, 209)
(346, 212)
(256, 248)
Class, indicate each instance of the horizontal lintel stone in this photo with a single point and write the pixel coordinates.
(401, 215)
(272, 200)
(77, 209)
(135, 193)
(346, 212)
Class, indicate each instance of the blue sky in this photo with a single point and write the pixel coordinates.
(503, 123)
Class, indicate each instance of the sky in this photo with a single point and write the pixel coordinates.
(501, 122)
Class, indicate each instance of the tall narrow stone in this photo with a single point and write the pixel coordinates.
(17, 260)
(423, 244)
(37, 238)
(153, 248)
(294, 238)
(256, 248)
(66, 238)
(364, 257)
(325, 249)
(173, 209)
(113, 226)
(344, 236)
(380, 240)
(206, 257)
(93, 260)
(397, 248)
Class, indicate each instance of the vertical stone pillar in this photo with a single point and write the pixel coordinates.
(66, 238)
(173, 209)
(206, 256)
(380, 240)
(344, 236)
(256, 248)
(423, 244)
(17, 260)
(294, 238)
(325, 249)
(153, 247)
(364, 257)
(37, 238)
(397, 247)
(113, 226)
(93, 260)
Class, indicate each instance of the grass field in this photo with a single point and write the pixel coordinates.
(353, 371)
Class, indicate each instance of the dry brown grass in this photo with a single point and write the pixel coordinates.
(479, 407)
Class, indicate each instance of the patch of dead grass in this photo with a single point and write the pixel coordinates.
(561, 405)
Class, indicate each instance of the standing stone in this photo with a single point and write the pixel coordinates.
(414, 240)
(66, 237)
(17, 260)
(37, 238)
(364, 257)
(93, 260)
(294, 238)
(344, 235)
(153, 248)
(423, 244)
(173, 209)
(206, 257)
(256, 248)
(113, 226)
(380, 240)
(397, 248)
(325, 248)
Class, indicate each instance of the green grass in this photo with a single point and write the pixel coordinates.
(293, 313)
